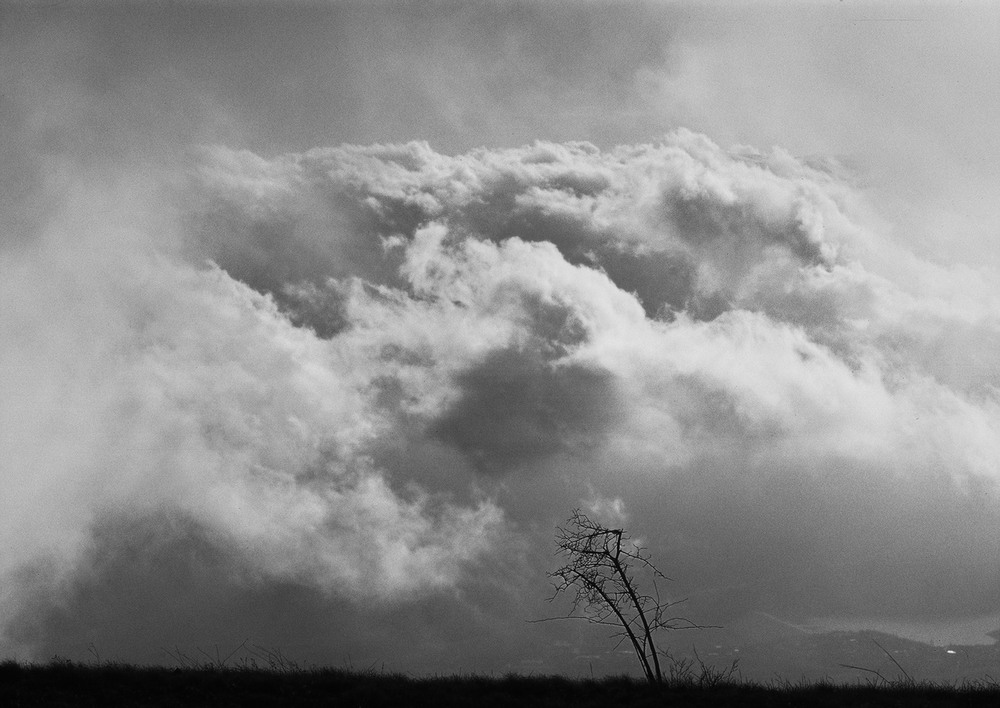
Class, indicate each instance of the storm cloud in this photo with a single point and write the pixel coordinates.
(337, 398)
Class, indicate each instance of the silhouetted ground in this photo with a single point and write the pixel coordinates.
(67, 684)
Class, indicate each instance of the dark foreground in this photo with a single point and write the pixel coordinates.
(67, 684)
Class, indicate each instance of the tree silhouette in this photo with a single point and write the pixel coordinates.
(599, 574)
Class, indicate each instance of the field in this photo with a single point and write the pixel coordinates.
(63, 683)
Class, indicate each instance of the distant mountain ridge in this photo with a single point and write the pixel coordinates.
(767, 646)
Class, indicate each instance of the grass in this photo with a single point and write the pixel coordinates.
(270, 679)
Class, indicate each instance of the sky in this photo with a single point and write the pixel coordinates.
(316, 319)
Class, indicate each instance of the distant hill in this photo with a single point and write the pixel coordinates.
(767, 646)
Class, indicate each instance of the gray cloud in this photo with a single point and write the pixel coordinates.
(336, 399)
(797, 446)
(515, 407)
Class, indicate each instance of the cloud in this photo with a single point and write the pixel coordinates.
(795, 347)
(142, 387)
(900, 91)
(373, 378)
(706, 219)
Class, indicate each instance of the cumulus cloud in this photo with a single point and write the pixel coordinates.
(143, 387)
(381, 372)
(679, 317)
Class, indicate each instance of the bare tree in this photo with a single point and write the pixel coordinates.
(600, 576)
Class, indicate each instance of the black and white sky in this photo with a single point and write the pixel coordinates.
(316, 319)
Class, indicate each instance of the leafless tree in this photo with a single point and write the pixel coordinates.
(600, 576)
